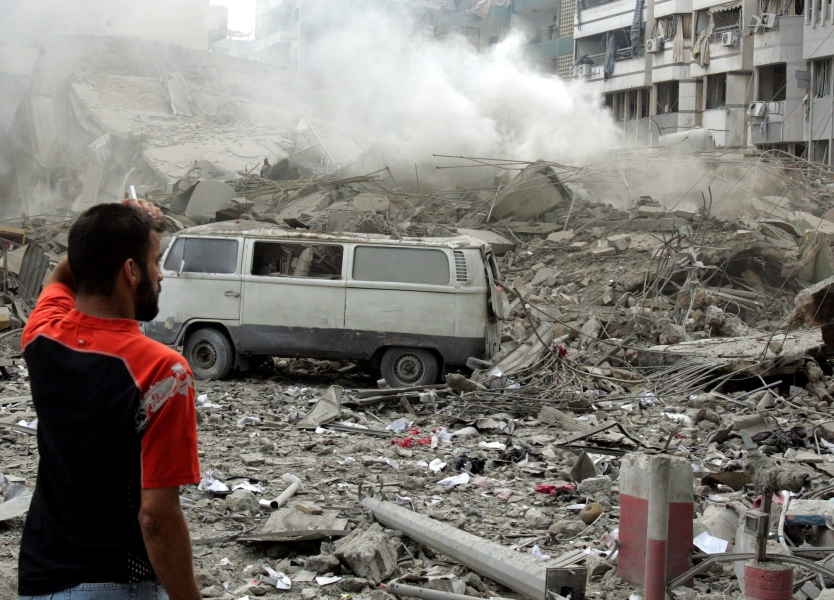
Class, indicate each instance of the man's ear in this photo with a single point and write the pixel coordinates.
(132, 273)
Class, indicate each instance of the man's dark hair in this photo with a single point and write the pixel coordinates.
(100, 242)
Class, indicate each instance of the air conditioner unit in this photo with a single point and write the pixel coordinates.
(757, 109)
(729, 38)
(770, 20)
(655, 45)
(756, 25)
(572, 72)
(583, 70)
(774, 108)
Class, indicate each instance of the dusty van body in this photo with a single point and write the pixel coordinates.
(235, 292)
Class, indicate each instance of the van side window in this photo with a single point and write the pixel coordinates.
(203, 256)
(401, 265)
(315, 261)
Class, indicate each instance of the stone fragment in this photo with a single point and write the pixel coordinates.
(309, 593)
(595, 486)
(367, 553)
(578, 246)
(241, 501)
(252, 460)
(619, 242)
(566, 528)
(560, 236)
(597, 566)
(322, 564)
(537, 519)
(350, 585)
(603, 252)
(214, 591)
(651, 211)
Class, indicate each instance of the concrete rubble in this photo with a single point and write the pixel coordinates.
(633, 330)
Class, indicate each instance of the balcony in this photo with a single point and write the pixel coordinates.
(604, 16)
(778, 122)
(462, 18)
(546, 45)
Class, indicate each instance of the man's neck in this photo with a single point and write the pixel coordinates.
(105, 307)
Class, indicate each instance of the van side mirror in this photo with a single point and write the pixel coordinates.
(182, 266)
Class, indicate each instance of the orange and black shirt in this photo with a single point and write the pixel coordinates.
(115, 414)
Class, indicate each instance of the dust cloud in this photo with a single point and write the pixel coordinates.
(410, 95)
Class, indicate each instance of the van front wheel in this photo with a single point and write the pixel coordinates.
(209, 353)
(409, 367)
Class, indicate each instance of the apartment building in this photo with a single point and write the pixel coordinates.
(752, 72)
(546, 24)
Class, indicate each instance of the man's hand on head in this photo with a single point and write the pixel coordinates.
(149, 207)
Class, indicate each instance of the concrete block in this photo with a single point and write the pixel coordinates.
(323, 563)
(578, 246)
(619, 242)
(602, 252)
(560, 236)
(635, 471)
(651, 211)
(242, 501)
(367, 553)
(595, 486)
(500, 244)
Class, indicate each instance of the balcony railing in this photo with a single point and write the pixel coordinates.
(628, 53)
(583, 4)
(544, 35)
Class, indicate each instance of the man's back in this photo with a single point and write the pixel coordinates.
(115, 414)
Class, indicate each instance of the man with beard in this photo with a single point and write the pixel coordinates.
(117, 432)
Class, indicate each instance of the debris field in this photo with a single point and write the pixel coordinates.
(633, 329)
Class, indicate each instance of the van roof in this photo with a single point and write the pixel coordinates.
(257, 229)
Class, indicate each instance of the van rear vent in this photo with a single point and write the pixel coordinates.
(461, 273)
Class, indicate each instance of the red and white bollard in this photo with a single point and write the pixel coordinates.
(767, 581)
(643, 536)
(657, 528)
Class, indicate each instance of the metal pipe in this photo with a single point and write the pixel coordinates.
(521, 573)
(412, 591)
(657, 530)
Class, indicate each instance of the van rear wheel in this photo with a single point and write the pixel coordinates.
(209, 353)
(409, 367)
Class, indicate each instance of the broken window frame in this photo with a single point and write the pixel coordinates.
(288, 256)
(822, 78)
(668, 97)
(716, 92)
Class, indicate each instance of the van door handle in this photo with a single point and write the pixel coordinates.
(231, 294)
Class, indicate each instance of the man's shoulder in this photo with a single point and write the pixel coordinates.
(150, 360)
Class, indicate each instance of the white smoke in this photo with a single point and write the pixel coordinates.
(410, 96)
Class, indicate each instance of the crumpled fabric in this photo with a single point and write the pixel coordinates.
(700, 48)
(677, 46)
(608, 69)
(481, 8)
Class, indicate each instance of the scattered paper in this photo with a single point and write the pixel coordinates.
(710, 544)
(248, 421)
(437, 465)
(493, 445)
(282, 582)
(461, 479)
(399, 425)
(249, 487)
(536, 551)
(322, 581)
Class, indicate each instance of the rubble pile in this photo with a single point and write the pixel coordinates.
(641, 322)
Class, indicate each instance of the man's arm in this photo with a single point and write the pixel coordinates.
(168, 542)
(62, 274)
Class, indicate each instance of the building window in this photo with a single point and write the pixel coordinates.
(401, 265)
(716, 91)
(822, 78)
(645, 102)
(668, 94)
(772, 83)
(280, 259)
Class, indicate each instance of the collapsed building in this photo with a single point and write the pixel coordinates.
(685, 315)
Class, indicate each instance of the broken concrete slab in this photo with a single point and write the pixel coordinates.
(535, 191)
(207, 198)
(368, 553)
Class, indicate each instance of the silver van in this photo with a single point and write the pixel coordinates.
(237, 292)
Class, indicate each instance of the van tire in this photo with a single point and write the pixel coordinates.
(409, 367)
(209, 353)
